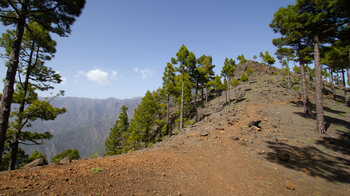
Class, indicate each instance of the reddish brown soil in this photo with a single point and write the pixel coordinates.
(217, 164)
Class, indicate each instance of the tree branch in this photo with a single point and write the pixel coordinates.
(15, 8)
(47, 10)
(7, 17)
(25, 122)
(34, 143)
(19, 78)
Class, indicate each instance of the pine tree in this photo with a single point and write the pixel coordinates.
(241, 59)
(206, 72)
(187, 94)
(186, 61)
(322, 22)
(145, 121)
(284, 22)
(315, 22)
(284, 55)
(116, 142)
(22, 159)
(37, 46)
(336, 58)
(267, 58)
(54, 16)
(169, 88)
(218, 85)
(227, 72)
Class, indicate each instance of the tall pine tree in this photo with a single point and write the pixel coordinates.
(116, 142)
(186, 61)
(55, 16)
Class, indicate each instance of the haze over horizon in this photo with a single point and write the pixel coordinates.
(119, 49)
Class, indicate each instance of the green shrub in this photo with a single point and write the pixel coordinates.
(149, 144)
(96, 169)
(235, 82)
(72, 154)
(295, 88)
(36, 155)
(244, 78)
(94, 156)
(249, 71)
(342, 114)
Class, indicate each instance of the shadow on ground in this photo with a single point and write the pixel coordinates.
(312, 161)
(325, 108)
(340, 144)
(328, 119)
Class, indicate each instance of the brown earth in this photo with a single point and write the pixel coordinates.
(220, 155)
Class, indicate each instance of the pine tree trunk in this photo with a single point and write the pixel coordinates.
(15, 144)
(14, 152)
(182, 98)
(303, 84)
(206, 94)
(320, 123)
(228, 89)
(344, 87)
(168, 131)
(288, 77)
(202, 96)
(348, 73)
(195, 102)
(6, 99)
(331, 81)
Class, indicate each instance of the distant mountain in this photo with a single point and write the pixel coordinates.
(85, 126)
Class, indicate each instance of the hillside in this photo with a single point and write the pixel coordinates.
(85, 126)
(221, 154)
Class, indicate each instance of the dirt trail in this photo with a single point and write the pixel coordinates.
(186, 164)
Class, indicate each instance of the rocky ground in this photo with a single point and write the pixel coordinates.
(220, 155)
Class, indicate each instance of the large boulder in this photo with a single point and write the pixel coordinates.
(65, 160)
(36, 163)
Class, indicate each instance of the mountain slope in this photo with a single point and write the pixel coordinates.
(85, 126)
(219, 155)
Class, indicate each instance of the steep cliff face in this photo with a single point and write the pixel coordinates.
(85, 126)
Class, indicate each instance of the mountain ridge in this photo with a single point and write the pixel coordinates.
(84, 126)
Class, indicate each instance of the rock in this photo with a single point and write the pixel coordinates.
(243, 143)
(219, 128)
(254, 123)
(289, 185)
(256, 129)
(36, 162)
(235, 138)
(65, 160)
(306, 171)
(283, 156)
(204, 133)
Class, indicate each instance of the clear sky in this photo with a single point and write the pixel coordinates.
(119, 48)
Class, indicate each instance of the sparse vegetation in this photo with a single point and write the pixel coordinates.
(96, 170)
(248, 118)
(241, 59)
(73, 154)
(244, 78)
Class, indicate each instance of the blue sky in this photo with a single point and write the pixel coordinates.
(120, 48)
